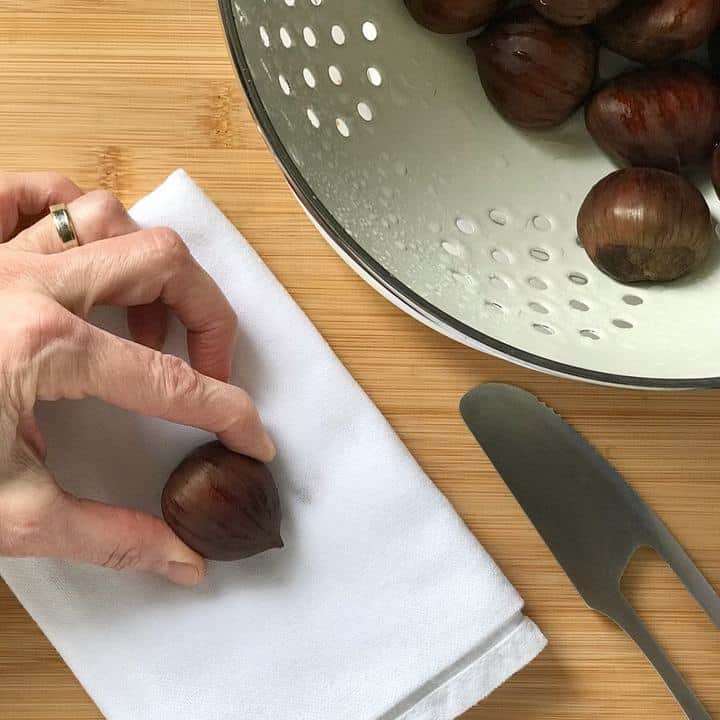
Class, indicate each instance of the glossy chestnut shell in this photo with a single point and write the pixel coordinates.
(642, 224)
(454, 16)
(223, 505)
(649, 31)
(666, 117)
(534, 72)
(574, 12)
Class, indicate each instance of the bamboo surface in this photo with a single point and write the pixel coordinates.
(119, 93)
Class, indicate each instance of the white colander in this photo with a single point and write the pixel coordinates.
(466, 222)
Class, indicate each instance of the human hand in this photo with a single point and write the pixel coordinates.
(48, 351)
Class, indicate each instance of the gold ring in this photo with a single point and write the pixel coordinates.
(64, 226)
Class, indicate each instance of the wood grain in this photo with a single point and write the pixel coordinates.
(119, 93)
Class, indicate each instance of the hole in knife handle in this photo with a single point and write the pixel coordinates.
(680, 626)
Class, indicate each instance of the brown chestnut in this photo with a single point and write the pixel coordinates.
(652, 30)
(643, 224)
(574, 12)
(534, 72)
(666, 117)
(223, 505)
(453, 16)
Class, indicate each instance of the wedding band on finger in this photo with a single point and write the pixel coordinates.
(64, 226)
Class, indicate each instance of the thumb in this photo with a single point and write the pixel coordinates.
(122, 539)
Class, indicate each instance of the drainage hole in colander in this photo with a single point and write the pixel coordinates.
(499, 282)
(590, 334)
(632, 300)
(537, 283)
(369, 31)
(313, 118)
(543, 329)
(264, 36)
(538, 308)
(342, 127)
(309, 77)
(316, 3)
(578, 278)
(500, 256)
(290, 3)
(539, 254)
(335, 75)
(494, 307)
(365, 111)
(374, 76)
(462, 278)
(498, 217)
(284, 84)
(465, 225)
(541, 223)
(309, 37)
(286, 37)
(622, 324)
(579, 306)
(338, 35)
(452, 248)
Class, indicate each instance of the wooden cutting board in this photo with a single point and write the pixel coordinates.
(118, 93)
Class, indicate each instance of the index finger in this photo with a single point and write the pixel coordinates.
(24, 197)
(140, 268)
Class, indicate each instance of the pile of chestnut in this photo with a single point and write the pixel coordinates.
(538, 65)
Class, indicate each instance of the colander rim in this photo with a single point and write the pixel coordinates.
(390, 286)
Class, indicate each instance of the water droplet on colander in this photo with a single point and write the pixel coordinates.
(394, 219)
(400, 168)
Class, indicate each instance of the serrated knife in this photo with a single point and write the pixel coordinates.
(591, 519)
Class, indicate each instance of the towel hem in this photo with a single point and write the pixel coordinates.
(518, 642)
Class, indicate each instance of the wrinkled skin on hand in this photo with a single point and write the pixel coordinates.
(48, 351)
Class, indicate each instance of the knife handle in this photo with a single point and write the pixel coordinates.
(675, 556)
(626, 617)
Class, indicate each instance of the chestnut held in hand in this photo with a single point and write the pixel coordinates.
(453, 16)
(642, 224)
(665, 117)
(652, 30)
(574, 12)
(534, 72)
(223, 505)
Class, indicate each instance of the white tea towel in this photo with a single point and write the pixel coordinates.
(381, 606)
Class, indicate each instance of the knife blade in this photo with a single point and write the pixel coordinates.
(590, 518)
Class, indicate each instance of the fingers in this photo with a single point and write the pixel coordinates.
(40, 520)
(144, 267)
(89, 361)
(96, 216)
(26, 196)
(121, 539)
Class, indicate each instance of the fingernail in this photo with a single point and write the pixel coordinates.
(270, 449)
(182, 574)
